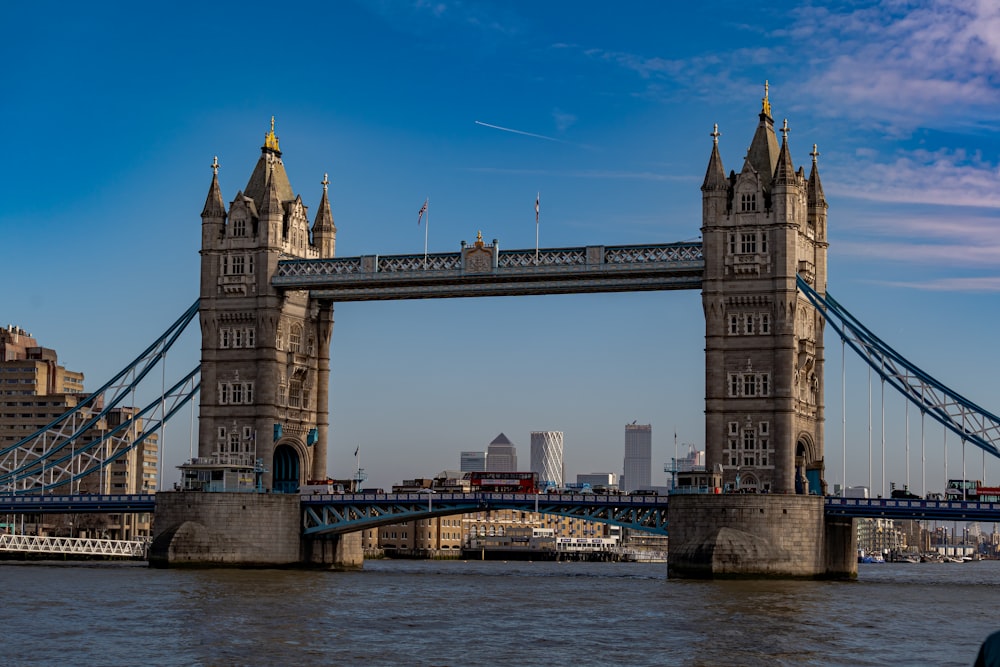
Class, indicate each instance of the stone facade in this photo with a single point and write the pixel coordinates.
(196, 529)
(761, 229)
(758, 535)
(265, 352)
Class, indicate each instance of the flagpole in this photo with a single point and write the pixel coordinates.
(426, 226)
(538, 198)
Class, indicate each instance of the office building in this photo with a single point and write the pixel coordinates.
(473, 461)
(638, 457)
(501, 455)
(547, 457)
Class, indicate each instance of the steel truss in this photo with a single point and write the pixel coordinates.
(77, 546)
(62, 452)
(337, 514)
(588, 269)
(955, 412)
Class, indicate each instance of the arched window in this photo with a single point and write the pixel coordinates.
(295, 339)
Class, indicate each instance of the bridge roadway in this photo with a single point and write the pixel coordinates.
(344, 513)
(485, 270)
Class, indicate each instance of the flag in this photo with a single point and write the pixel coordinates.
(356, 450)
(537, 199)
(420, 213)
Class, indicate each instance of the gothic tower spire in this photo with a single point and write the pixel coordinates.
(324, 230)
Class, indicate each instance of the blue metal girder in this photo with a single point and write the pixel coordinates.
(956, 413)
(336, 514)
(915, 510)
(115, 503)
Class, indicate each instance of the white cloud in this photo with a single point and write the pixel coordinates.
(906, 63)
(951, 177)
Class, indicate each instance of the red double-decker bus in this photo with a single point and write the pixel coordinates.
(504, 482)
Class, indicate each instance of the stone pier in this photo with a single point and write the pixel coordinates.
(198, 529)
(758, 536)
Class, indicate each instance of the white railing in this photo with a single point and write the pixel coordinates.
(78, 546)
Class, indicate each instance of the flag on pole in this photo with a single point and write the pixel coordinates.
(537, 199)
(356, 450)
(420, 214)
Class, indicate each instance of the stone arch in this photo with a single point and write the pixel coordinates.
(288, 464)
(805, 457)
(749, 483)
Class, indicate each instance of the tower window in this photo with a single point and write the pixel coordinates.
(748, 202)
(239, 264)
(239, 227)
(734, 325)
(748, 243)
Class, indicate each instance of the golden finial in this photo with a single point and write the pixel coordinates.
(715, 134)
(215, 165)
(766, 109)
(479, 239)
(271, 141)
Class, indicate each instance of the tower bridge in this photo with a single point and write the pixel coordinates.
(270, 280)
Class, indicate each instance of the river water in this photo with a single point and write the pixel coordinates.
(455, 614)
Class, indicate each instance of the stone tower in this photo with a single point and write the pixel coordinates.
(762, 228)
(265, 360)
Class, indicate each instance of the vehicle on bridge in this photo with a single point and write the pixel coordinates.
(904, 494)
(504, 482)
(962, 489)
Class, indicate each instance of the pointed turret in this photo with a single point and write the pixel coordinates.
(815, 188)
(784, 171)
(763, 152)
(214, 206)
(715, 175)
(716, 193)
(324, 230)
(213, 216)
(269, 169)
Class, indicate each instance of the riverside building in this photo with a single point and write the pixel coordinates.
(34, 391)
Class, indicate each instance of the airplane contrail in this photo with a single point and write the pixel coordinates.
(527, 134)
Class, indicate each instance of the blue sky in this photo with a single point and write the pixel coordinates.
(114, 111)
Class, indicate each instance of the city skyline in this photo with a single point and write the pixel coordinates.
(481, 110)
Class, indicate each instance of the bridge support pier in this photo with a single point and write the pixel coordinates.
(758, 536)
(198, 529)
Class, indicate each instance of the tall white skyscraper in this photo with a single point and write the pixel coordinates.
(501, 455)
(473, 461)
(547, 456)
(638, 456)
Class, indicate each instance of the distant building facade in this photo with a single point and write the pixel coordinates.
(638, 456)
(501, 455)
(473, 461)
(34, 391)
(547, 457)
(608, 480)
